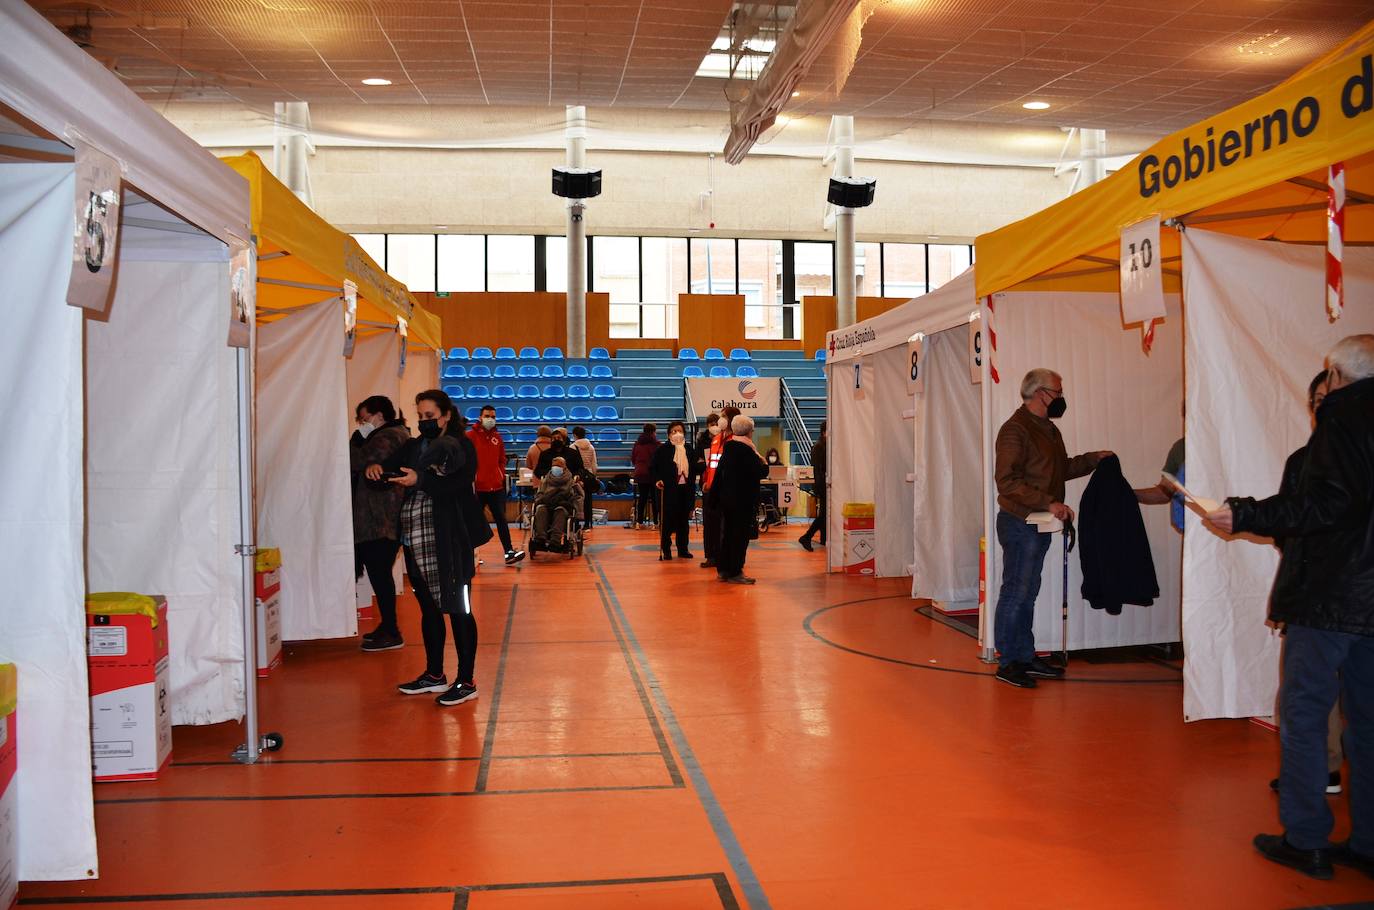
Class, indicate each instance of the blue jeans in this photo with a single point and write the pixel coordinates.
(1023, 557)
(1317, 667)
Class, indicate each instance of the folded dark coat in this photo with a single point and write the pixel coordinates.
(1113, 548)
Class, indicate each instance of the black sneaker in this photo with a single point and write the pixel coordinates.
(368, 636)
(389, 641)
(666, 557)
(514, 556)
(1333, 784)
(684, 555)
(806, 544)
(424, 684)
(1016, 675)
(460, 693)
(708, 564)
(1312, 863)
(1342, 855)
(740, 579)
(1041, 670)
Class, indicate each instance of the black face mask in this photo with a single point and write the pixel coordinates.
(429, 429)
(1057, 408)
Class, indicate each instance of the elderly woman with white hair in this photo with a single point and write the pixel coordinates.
(735, 493)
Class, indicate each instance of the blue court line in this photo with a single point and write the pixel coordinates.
(725, 835)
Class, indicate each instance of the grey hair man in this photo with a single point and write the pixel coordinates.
(1324, 596)
(735, 494)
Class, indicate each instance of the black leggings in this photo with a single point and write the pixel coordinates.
(377, 558)
(646, 501)
(677, 514)
(495, 502)
(818, 523)
(432, 627)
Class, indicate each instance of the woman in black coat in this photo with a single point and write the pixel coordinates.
(735, 493)
(435, 470)
(673, 472)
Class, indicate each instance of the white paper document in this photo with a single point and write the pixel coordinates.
(1200, 504)
(1045, 522)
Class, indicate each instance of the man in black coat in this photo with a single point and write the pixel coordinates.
(1324, 594)
(734, 494)
(560, 449)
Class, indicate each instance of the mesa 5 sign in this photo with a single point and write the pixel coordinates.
(755, 396)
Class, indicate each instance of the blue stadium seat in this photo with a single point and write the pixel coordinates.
(505, 353)
(688, 354)
(477, 392)
(453, 391)
(527, 391)
(577, 371)
(553, 353)
(504, 371)
(579, 391)
(457, 353)
(504, 413)
(507, 437)
(529, 371)
(503, 391)
(554, 391)
(599, 354)
(455, 371)
(555, 412)
(479, 371)
(602, 371)
(820, 353)
(529, 353)
(473, 412)
(603, 391)
(526, 436)
(606, 412)
(481, 353)
(719, 372)
(739, 354)
(711, 354)
(553, 371)
(691, 372)
(527, 413)
(610, 434)
(747, 372)
(580, 412)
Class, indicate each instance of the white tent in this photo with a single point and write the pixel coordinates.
(159, 496)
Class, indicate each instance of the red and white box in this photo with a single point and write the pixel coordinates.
(860, 551)
(9, 795)
(267, 594)
(131, 717)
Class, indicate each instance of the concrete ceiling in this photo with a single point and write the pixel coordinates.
(1153, 65)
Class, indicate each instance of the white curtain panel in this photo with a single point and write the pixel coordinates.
(1257, 334)
(374, 369)
(947, 500)
(162, 471)
(422, 373)
(303, 494)
(42, 616)
(894, 456)
(1119, 399)
(849, 449)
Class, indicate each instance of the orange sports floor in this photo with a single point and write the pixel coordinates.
(647, 737)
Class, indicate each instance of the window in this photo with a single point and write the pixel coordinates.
(665, 269)
(556, 264)
(410, 260)
(815, 267)
(461, 262)
(867, 270)
(510, 263)
(904, 269)
(948, 260)
(713, 266)
(616, 264)
(373, 245)
(625, 320)
(760, 281)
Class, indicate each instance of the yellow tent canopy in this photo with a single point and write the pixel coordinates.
(300, 254)
(1258, 170)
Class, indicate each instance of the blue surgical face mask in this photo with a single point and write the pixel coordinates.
(556, 471)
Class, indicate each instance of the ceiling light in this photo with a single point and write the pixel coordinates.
(1036, 105)
(796, 94)
(376, 81)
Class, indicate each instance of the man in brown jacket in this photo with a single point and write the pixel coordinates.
(1031, 470)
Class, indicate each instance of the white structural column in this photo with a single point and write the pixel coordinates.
(845, 310)
(576, 139)
(1092, 153)
(292, 148)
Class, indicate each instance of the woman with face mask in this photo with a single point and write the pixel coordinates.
(674, 477)
(376, 513)
(434, 471)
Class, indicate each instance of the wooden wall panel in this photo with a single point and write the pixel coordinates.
(868, 307)
(710, 321)
(818, 316)
(514, 318)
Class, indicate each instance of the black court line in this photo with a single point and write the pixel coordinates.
(421, 794)
(673, 772)
(268, 762)
(810, 630)
(489, 739)
(460, 893)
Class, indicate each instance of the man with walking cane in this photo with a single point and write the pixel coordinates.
(1032, 467)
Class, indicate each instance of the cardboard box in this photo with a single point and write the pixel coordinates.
(9, 793)
(267, 593)
(131, 719)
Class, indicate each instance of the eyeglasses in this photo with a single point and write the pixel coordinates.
(1057, 393)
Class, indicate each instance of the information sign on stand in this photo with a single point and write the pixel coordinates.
(1142, 273)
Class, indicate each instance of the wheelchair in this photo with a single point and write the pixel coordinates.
(769, 515)
(574, 537)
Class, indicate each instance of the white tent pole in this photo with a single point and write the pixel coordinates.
(247, 549)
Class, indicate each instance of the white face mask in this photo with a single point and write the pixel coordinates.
(676, 439)
(365, 430)
(488, 422)
(714, 429)
(772, 459)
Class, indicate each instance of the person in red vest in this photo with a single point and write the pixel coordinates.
(711, 518)
(491, 477)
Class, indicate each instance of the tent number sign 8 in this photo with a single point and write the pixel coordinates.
(916, 353)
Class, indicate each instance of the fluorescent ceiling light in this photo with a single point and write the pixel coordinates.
(375, 81)
(1036, 105)
(757, 45)
(717, 66)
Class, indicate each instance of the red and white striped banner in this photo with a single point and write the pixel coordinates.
(1147, 337)
(1335, 240)
(992, 341)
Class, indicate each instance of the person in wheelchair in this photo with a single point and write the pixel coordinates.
(558, 501)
